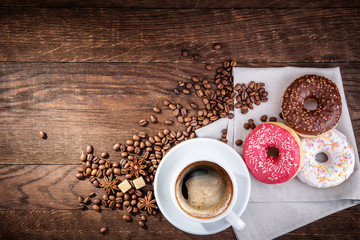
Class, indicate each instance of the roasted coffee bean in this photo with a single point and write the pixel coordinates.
(246, 126)
(89, 157)
(104, 154)
(189, 85)
(239, 142)
(216, 46)
(233, 63)
(105, 197)
(134, 202)
(126, 203)
(79, 175)
(83, 157)
(153, 119)
(176, 91)
(117, 171)
(96, 183)
(208, 67)
(127, 218)
(80, 199)
(176, 112)
(166, 102)
(193, 105)
(81, 206)
(99, 173)
(273, 119)
(195, 79)
(129, 209)
(94, 172)
(251, 121)
(186, 91)
(172, 106)
(104, 230)
(143, 122)
(143, 217)
(169, 122)
(126, 196)
(224, 140)
(116, 147)
(92, 179)
(112, 204)
(142, 224)
(89, 149)
(263, 118)
(154, 212)
(156, 109)
(97, 201)
(96, 207)
(281, 116)
(196, 57)
(42, 134)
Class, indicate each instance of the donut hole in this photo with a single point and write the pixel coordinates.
(311, 104)
(321, 157)
(273, 152)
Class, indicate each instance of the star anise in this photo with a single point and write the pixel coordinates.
(136, 167)
(147, 202)
(110, 184)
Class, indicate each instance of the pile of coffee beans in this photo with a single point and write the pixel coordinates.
(254, 93)
(145, 152)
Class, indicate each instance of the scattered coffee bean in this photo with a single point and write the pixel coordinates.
(196, 57)
(216, 46)
(97, 201)
(89, 149)
(83, 157)
(193, 105)
(208, 67)
(116, 147)
(104, 155)
(281, 116)
(176, 91)
(153, 119)
(92, 194)
(273, 119)
(104, 230)
(143, 218)
(263, 118)
(166, 102)
(246, 126)
(43, 135)
(239, 142)
(79, 175)
(127, 218)
(87, 200)
(141, 224)
(184, 52)
(156, 109)
(80, 199)
(143, 122)
(186, 91)
(96, 207)
(169, 122)
(195, 79)
(81, 206)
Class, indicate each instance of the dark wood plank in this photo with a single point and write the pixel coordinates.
(39, 196)
(182, 4)
(158, 35)
(89, 103)
(76, 224)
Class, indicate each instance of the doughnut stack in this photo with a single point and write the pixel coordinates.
(295, 156)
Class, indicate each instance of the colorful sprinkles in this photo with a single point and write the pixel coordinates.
(336, 169)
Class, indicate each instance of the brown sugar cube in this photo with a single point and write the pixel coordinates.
(125, 186)
(139, 183)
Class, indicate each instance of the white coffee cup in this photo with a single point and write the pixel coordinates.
(229, 214)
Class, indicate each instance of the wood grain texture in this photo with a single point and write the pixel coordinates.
(158, 35)
(76, 224)
(182, 4)
(90, 103)
(35, 192)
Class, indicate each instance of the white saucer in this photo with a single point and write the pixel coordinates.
(199, 147)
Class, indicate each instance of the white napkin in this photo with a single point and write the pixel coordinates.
(274, 210)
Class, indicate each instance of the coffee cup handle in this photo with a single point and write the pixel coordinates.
(235, 221)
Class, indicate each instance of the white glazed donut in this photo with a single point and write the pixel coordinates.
(338, 167)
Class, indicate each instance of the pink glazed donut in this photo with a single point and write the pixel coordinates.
(266, 166)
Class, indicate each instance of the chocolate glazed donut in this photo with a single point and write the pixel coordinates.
(307, 122)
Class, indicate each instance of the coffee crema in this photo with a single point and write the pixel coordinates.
(203, 190)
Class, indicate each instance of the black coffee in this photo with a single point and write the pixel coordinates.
(203, 189)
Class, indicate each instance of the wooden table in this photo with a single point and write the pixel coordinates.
(86, 72)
